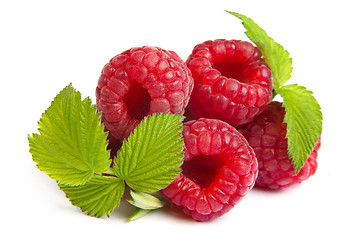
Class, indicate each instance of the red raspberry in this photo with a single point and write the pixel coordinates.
(231, 81)
(266, 135)
(219, 169)
(138, 82)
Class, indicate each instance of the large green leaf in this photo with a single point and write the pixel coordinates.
(71, 144)
(150, 158)
(100, 196)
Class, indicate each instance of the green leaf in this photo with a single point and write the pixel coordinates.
(101, 195)
(304, 122)
(71, 144)
(150, 158)
(138, 213)
(273, 53)
(303, 114)
(145, 201)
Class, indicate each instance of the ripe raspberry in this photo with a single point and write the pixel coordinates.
(266, 135)
(231, 81)
(138, 82)
(219, 169)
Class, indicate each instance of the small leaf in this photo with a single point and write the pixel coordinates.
(138, 213)
(273, 53)
(100, 196)
(150, 158)
(145, 201)
(71, 146)
(304, 122)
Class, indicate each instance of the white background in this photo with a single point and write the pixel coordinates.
(45, 45)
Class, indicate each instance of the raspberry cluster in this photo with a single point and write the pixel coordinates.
(234, 135)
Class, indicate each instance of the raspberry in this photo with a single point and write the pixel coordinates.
(266, 135)
(231, 81)
(219, 169)
(138, 82)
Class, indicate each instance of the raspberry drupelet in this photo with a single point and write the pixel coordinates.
(138, 82)
(231, 81)
(219, 169)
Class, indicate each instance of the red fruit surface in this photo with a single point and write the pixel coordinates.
(266, 135)
(219, 169)
(231, 81)
(138, 82)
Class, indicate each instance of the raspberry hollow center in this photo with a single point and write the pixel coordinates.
(233, 70)
(137, 101)
(202, 169)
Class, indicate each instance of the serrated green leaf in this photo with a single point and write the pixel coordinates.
(71, 144)
(304, 122)
(145, 201)
(303, 114)
(273, 53)
(100, 196)
(150, 158)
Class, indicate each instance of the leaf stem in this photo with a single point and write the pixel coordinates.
(109, 172)
(274, 93)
